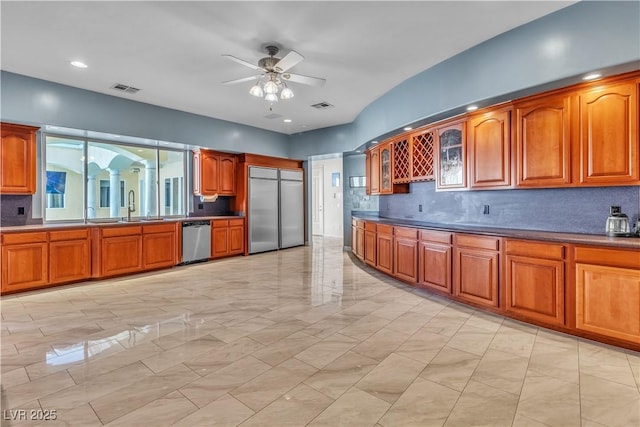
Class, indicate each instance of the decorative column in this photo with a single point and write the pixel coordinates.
(114, 193)
(151, 188)
(91, 196)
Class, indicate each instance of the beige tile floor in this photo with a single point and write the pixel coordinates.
(298, 337)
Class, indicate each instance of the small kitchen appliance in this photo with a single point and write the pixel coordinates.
(617, 223)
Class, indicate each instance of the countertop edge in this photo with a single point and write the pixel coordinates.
(549, 236)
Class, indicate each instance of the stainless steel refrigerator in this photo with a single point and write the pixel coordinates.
(276, 209)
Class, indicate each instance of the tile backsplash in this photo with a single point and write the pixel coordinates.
(10, 205)
(573, 210)
(222, 206)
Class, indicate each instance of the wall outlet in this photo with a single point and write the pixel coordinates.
(419, 208)
(200, 205)
(485, 210)
(21, 211)
(614, 210)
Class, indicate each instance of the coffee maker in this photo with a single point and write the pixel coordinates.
(617, 223)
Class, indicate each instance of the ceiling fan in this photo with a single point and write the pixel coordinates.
(275, 73)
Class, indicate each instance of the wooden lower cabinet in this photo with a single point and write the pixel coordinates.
(69, 256)
(24, 261)
(608, 296)
(227, 237)
(159, 246)
(434, 260)
(117, 250)
(360, 239)
(354, 238)
(384, 248)
(405, 254)
(476, 269)
(370, 243)
(534, 280)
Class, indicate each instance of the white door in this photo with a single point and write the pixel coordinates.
(317, 203)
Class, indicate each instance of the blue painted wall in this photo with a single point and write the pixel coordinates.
(541, 55)
(575, 210)
(40, 102)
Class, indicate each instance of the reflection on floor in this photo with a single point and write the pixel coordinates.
(298, 337)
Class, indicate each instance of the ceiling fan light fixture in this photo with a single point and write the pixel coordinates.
(271, 87)
(256, 90)
(286, 93)
(271, 97)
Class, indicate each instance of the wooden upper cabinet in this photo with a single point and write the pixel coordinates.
(422, 146)
(374, 167)
(227, 183)
(386, 178)
(451, 157)
(489, 148)
(18, 159)
(543, 143)
(608, 134)
(367, 172)
(402, 160)
(214, 173)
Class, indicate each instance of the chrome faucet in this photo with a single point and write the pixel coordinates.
(131, 199)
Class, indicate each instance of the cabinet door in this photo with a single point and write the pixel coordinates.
(354, 239)
(374, 158)
(386, 185)
(122, 254)
(69, 260)
(543, 142)
(489, 146)
(608, 301)
(207, 174)
(158, 250)
(236, 239)
(608, 137)
(535, 288)
(227, 182)
(360, 242)
(367, 174)
(17, 159)
(24, 266)
(434, 263)
(451, 160)
(405, 259)
(370, 247)
(476, 276)
(220, 242)
(384, 253)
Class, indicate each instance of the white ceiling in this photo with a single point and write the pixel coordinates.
(172, 50)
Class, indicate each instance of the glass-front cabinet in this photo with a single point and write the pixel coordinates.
(385, 169)
(451, 157)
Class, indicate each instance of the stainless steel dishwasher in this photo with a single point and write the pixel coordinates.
(196, 241)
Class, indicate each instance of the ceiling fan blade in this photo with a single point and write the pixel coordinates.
(243, 62)
(291, 59)
(305, 80)
(245, 79)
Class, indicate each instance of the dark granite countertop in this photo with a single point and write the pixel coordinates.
(576, 238)
(106, 223)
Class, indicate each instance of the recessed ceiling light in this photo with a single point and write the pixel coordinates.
(592, 76)
(408, 128)
(472, 107)
(79, 64)
(287, 120)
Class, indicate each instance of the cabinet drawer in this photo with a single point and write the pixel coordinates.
(158, 228)
(385, 229)
(370, 226)
(58, 236)
(17, 238)
(535, 249)
(479, 242)
(121, 231)
(217, 223)
(236, 222)
(435, 236)
(409, 233)
(602, 256)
